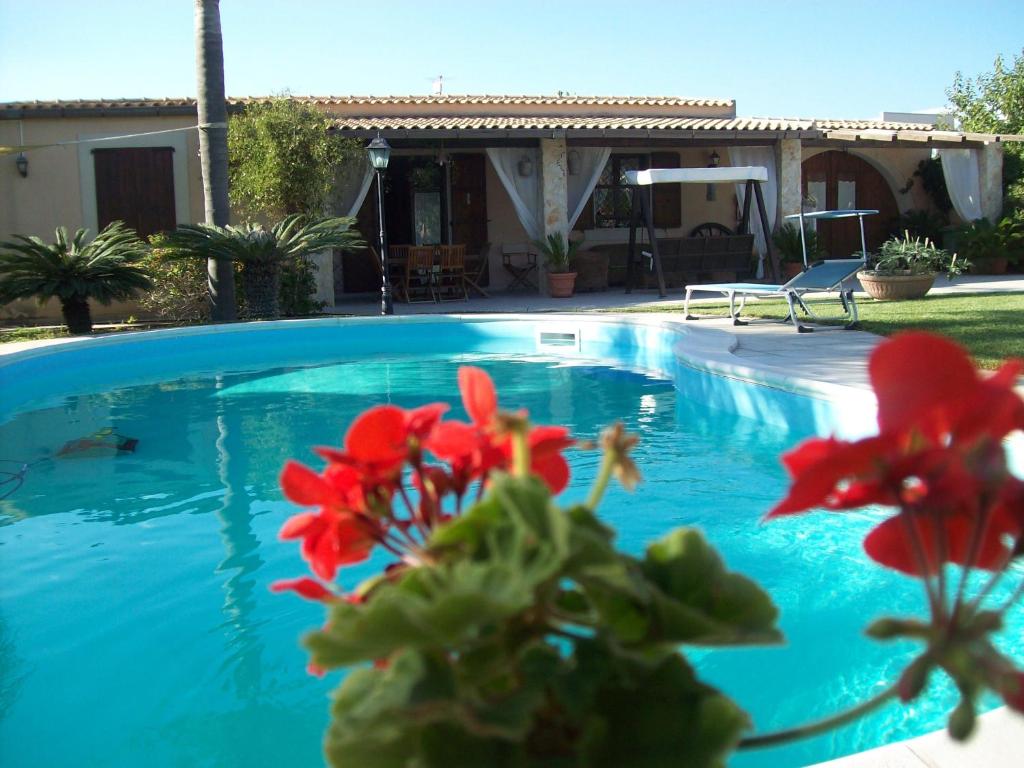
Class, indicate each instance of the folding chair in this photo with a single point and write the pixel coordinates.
(519, 268)
(819, 277)
(476, 268)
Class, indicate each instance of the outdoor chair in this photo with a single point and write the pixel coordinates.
(823, 276)
(520, 261)
(418, 284)
(450, 277)
(476, 268)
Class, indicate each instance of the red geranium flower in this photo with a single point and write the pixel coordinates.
(338, 534)
(937, 457)
(475, 449)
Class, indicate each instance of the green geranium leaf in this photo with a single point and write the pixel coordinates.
(430, 607)
(378, 715)
(511, 543)
(660, 716)
(696, 600)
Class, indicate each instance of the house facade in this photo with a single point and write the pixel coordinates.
(490, 171)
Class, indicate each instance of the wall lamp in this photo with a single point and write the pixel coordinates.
(712, 163)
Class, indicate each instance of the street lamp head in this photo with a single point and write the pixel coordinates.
(380, 153)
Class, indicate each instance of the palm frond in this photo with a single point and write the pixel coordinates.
(104, 269)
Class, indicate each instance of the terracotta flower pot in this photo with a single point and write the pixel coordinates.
(995, 265)
(896, 287)
(791, 269)
(561, 284)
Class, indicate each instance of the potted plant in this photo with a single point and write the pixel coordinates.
(992, 247)
(905, 268)
(559, 260)
(74, 271)
(791, 255)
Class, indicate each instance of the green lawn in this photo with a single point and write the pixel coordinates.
(31, 334)
(990, 325)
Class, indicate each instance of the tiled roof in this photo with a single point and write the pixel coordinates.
(439, 101)
(556, 122)
(423, 115)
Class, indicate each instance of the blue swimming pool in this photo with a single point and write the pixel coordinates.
(135, 622)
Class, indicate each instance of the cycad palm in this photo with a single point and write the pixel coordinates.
(261, 251)
(74, 271)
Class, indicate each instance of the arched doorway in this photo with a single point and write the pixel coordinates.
(841, 180)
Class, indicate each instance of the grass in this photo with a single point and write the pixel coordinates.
(41, 332)
(31, 334)
(989, 325)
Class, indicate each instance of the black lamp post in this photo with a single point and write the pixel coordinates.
(380, 152)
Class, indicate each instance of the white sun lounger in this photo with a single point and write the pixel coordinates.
(822, 276)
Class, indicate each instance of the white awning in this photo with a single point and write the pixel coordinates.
(697, 175)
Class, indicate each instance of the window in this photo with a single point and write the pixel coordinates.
(612, 198)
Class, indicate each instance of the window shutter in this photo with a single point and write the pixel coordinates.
(668, 198)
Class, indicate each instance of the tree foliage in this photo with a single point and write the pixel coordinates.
(993, 102)
(284, 157)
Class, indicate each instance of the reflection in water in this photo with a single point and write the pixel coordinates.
(12, 672)
(241, 557)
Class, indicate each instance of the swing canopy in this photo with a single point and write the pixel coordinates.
(738, 174)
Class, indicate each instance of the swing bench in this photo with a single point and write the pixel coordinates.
(642, 210)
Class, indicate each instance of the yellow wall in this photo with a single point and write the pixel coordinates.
(52, 194)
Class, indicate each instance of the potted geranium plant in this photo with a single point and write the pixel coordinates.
(559, 260)
(905, 268)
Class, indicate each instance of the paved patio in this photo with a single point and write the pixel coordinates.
(617, 298)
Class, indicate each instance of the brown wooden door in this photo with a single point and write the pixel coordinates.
(850, 182)
(136, 186)
(469, 201)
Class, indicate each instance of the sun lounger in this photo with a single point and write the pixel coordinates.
(819, 277)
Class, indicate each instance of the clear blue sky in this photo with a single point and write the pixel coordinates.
(779, 59)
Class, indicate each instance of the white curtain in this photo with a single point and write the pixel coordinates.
(351, 187)
(764, 157)
(963, 180)
(582, 183)
(524, 191)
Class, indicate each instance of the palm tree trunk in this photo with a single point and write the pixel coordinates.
(77, 315)
(213, 147)
(262, 281)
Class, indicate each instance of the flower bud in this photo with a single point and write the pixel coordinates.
(961, 722)
(914, 678)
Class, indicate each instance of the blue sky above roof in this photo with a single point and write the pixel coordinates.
(782, 59)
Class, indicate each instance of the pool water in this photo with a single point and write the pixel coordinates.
(136, 626)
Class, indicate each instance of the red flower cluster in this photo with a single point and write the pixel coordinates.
(938, 458)
(363, 483)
